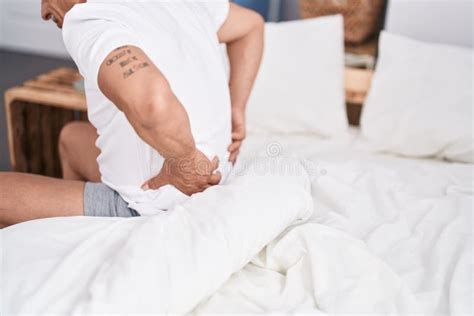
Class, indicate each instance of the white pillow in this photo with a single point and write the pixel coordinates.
(420, 102)
(300, 86)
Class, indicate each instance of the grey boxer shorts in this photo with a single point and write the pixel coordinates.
(100, 200)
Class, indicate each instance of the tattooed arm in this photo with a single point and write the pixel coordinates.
(137, 87)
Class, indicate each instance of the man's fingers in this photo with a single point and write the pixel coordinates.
(233, 156)
(238, 136)
(214, 164)
(155, 183)
(215, 178)
(234, 146)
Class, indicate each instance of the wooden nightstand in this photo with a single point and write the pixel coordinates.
(357, 85)
(35, 113)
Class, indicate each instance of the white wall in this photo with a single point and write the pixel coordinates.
(439, 21)
(21, 28)
(446, 21)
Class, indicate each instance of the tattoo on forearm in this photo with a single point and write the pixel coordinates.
(134, 69)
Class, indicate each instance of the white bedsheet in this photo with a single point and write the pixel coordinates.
(387, 235)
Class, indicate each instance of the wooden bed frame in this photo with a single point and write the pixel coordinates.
(37, 110)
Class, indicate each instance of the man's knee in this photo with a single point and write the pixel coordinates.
(78, 152)
(5, 180)
(67, 137)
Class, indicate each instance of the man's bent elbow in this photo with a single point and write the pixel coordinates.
(154, 107)
(255, 21)
(258, 22)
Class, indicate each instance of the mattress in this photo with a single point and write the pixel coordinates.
(387, 235)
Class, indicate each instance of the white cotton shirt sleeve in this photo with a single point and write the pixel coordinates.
(218, 11)
(89, 38)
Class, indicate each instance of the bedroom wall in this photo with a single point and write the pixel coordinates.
(22, 29)
(439, 21)
(447, 21)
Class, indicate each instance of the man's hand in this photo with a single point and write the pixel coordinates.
(238, 134)
(190, 174)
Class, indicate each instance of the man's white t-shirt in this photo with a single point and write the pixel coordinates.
(180, 37)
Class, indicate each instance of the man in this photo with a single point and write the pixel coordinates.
(158, 95)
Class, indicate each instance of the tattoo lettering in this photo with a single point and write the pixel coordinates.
(125, 58)
(128, 73)
(121, 47)
(128, 61)
(114, 58)
(134, 69)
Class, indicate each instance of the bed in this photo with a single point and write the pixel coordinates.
(380, 222)
(337, 222)
(387, 235)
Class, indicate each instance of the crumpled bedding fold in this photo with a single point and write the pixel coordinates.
(162, 264)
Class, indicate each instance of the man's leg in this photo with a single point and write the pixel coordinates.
(78, 152)
(26, 197)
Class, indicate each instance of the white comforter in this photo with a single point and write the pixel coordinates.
(165, 263)
(388, 235)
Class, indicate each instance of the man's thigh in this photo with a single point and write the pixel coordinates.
(26, 197)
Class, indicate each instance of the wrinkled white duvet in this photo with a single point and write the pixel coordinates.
(387, 236)
(166, 263)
